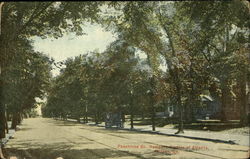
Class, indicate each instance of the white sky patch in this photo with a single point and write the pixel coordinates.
(141, 54)
(70, 45)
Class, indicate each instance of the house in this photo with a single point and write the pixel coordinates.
(169, 111)
(209, 108)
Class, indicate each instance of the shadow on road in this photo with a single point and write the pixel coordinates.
(63, 152)
(112, 130)
(25, 129)
(63, 123)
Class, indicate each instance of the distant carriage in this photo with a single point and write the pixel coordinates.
(113, 119)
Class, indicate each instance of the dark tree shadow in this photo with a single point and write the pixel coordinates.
(64, 151)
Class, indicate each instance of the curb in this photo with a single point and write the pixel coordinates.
(189, 137)
(174, 135)
(10, 135)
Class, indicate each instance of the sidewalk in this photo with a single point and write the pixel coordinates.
(198, 135)
(9, 135)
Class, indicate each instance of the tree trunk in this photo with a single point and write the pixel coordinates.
(180, 108)
(1, 5)
(8, 116)
(153, 117)
(175, 76)
(19, 118)
(224, 82)
(86, 118)
(189, 118)
(180, 127)
(6, 123)
(142, 115)
(131, 120)
(2, 123)
(187, 113)
(153, 83)
(242, 97)
(14, 120)
(98, 116)
(123, 117)
(86, 114)
(131, 114)
(224, 98)
(96, 121)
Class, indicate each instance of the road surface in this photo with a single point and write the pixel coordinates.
(43, 138)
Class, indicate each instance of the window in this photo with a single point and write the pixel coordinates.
(170, 108)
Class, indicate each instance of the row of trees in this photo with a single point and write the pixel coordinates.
(95, 83)
(24, 80)
(204, 46)
(24, 73)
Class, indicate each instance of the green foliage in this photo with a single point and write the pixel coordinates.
(203, 45)
(24, 80)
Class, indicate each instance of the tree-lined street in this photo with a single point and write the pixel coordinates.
(183, 65)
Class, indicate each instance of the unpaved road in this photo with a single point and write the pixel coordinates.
(41, 138)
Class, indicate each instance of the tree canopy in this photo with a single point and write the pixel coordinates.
(203, 46)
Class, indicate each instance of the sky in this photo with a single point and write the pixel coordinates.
(70, 45)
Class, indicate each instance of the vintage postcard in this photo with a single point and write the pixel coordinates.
(124, 79)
